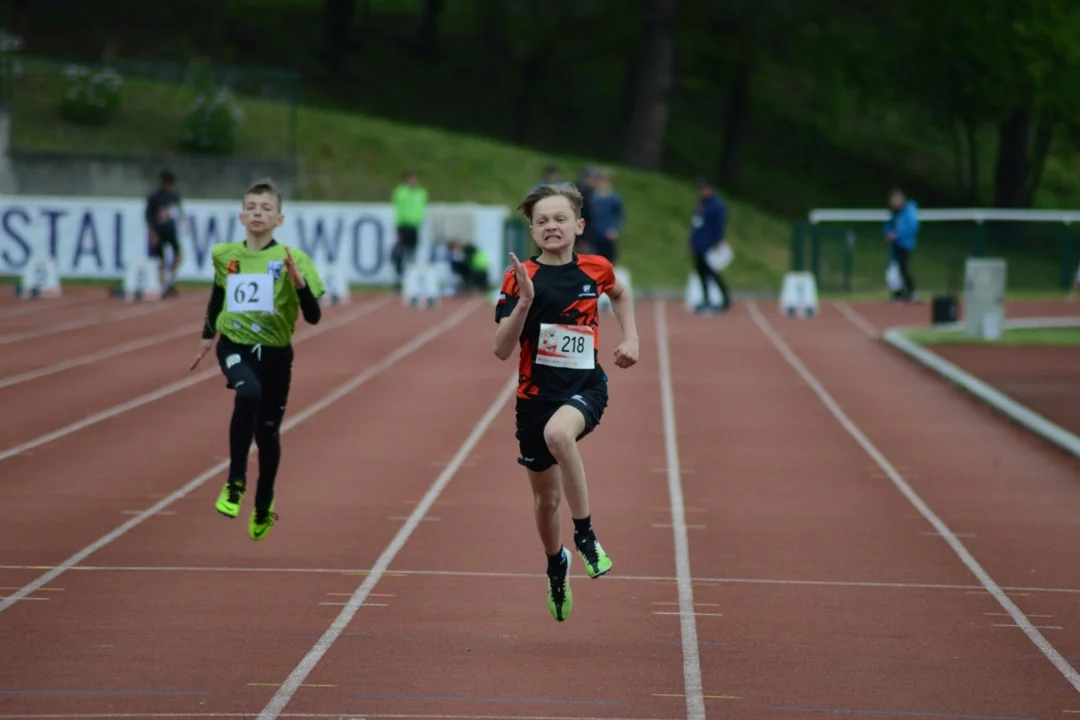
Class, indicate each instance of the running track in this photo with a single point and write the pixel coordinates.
(803, 523)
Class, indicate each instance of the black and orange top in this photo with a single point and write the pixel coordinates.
(560, 338)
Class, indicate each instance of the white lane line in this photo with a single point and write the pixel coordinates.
(1036, 637)
(173, 388)
(85, 322)
(45, 304)
(865, 584)
(312, 716)
(96, 356)
(695, 694)
(856, 319)
(318, 406)
(281, 698)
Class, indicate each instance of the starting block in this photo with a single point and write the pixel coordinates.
(40, 279)
(142, 282)
(336, 285)
(420, 287)
(603, 303)
(694, 295)
(798, 295)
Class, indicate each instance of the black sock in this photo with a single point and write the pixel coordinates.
(583, 526)
(269, 444)
(556, 562)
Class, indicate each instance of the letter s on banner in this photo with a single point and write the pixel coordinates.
(12, 262)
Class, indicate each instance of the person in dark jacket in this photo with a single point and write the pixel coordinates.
(706, 233)
(586, 242)
(902, 232)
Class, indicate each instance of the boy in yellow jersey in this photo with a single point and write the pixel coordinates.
(260, 286)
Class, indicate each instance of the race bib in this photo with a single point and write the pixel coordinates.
(250, 293)
(567, 346)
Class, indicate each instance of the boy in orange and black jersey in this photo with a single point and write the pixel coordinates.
(547, 307)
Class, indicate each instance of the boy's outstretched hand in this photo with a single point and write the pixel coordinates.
(294, 274)
(526, 291)
(203, 349)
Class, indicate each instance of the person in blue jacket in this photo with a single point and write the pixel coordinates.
(901, 232)
(707, 232)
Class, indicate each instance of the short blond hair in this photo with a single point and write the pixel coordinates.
(566, 190)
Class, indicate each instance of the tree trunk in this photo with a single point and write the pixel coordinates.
(971, 129)
(1011, 172)
(338, 17)
(426, 31)
(1044, 138)
(530, 69)
(648, 123)
(736, 125)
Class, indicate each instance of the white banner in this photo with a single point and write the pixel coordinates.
(101, 237)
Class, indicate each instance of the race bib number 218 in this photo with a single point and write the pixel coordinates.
(253, 292)
(567, 346)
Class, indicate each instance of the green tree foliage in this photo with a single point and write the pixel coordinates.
(788, 103)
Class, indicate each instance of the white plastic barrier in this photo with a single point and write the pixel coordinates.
(142, 281)
(798, 296)
(336, 284)
(420, 287)
(40, 279)
(694, 296)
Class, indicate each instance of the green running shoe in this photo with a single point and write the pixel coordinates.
(228, 502)
(261, 522)
(596, 560)
(559, 598)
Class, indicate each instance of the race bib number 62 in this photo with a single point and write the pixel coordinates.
(250, 293)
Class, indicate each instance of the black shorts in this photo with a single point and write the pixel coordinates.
(165, 238)
(264, 369)
(533, 416)
(408, 236)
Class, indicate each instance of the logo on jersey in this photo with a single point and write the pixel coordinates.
(549, 341)
(274, 268)
(587, 291)
(234, 267)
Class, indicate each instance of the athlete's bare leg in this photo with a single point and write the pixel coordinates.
(547, 498)
(561, 433)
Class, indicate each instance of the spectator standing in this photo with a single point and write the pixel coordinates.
(410, 207)
(164, 222)
(901, 232)
(586, 242)
(707, 232)
(608, 216)
(551, 177)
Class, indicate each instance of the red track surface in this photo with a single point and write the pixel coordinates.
(818, 585)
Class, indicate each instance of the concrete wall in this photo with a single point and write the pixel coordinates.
(39, 173)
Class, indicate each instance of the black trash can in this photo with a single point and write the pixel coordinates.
(943, 309)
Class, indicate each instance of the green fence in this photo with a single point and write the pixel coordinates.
(121, 107)
(847, 252)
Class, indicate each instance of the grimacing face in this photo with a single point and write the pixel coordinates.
(554, 225)
(261, 213)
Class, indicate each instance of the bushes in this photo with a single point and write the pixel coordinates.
(213, 116)
(90, 97)
(210, 116)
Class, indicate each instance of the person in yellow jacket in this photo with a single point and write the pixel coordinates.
(410, 206)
